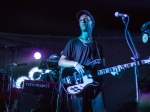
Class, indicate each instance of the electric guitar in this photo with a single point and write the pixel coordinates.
(74, 83)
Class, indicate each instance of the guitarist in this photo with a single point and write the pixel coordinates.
(77, 54)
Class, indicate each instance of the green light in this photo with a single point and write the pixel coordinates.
(145, 38)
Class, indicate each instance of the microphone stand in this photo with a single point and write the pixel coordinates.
(12, 66)
(10, 89)
(136, 56)
(59, 96)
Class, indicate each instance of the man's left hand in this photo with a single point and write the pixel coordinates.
(118, 71)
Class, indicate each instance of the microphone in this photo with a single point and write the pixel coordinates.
(21, 64)
(117, 14)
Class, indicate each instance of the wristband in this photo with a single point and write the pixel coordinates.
(75, 64)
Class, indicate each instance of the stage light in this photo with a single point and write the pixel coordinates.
(37, 55)
(35, 73)
(145, 37)
(145, 29)
(19, 81)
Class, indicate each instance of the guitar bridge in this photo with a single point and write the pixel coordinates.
(73, 80)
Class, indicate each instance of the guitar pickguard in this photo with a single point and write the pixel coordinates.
(79, 87)
(76, 83)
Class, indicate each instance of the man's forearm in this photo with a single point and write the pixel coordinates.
(67, 63)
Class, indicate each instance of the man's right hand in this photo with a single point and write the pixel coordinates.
(80, 68)
(64, 62)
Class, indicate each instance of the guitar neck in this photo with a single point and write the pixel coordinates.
(128, 65)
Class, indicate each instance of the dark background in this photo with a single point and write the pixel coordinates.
(28, 26)
(58, 17)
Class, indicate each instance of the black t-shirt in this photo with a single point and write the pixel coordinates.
(81, 52)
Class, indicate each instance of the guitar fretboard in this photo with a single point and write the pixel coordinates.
(128, 65)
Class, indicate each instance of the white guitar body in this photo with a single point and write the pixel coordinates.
(74, 83)
(87, 80)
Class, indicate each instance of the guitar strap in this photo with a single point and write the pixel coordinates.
(103, 86)
(98, 50)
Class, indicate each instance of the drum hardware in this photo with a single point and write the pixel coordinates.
(51, 63)
(6, 81)
(10, 84)
(48, 64)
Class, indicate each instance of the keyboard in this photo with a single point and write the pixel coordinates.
(38, 87)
